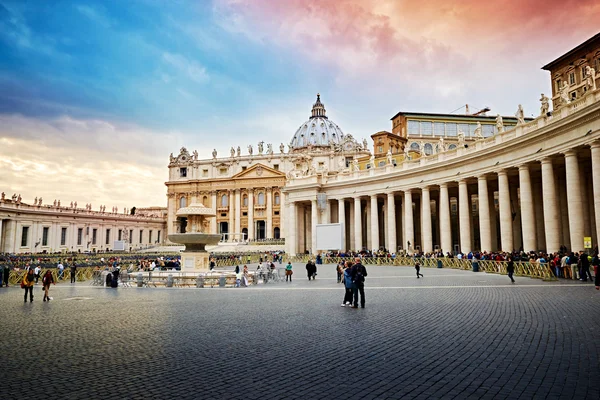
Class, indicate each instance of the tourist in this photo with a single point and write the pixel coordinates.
(311, 270)
(73, 272)
(572, 260)
(584, 267)
(348, 286)
(6, 274)
(47, 279)
(61, 269)
(37, 272)
(418, 268)
(238, 276)
(340, 271)
(27, 284)
(510, 268)
(288, 271)
(359, 273)
(245, 277)
(212, 264)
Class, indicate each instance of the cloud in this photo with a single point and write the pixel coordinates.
(97, 15)
(192, 69)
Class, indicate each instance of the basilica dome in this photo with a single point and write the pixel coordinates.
(318, 130)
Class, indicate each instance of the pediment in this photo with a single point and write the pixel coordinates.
(259, 171)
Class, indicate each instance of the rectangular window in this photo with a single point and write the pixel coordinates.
(426, 128)
(120, 234)
(182, 172)
(451, 129)
(464, 128)
(438, 128)
(94, 236)
(150, 236)
(141, 235)
(583, 75)
(223, 171)
(24, 236)
(572, 78)
(276, 167)
(131, 235)
(107, 236)
(558, 85)
(158, 236)
(45, 232)
(413, 127)
(63, 236)
(244, 168)
(205, 173)
(573, 95)
(79, 236)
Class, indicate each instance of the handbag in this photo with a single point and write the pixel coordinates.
(23, 284)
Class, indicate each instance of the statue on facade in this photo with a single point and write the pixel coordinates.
(441, 145)
(422, 149)
(19, 199)
(260, 147)
(478, 131)
(499, 124)
(250, 149)
(520, 115)
(269, 149)
(40, 201)
(58, 204)
(281, 148)
(325, 169)
(389, 157)
(71, 204)
(172, 158)
(195, 155)
(564, 94)
(232, 151)
(372, 161)
(311, 170)
(461, 138)
(14, 197)
(590, 80)
(3, 196)
(341, 164)
(239, 151)
(355, 166)
(406, 153)
(545, 105)
(54, 204)
(365, 144)
(35, 202)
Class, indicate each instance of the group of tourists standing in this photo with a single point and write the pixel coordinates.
(31, 278)
(352, 275)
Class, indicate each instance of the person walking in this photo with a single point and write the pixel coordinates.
(27, 284)
(359, 273)
(37, 272)
(47, 280)
(288, 271)
(510, 268)
(418, 268)
(584, 267)
(73, 272)
(348, 287)
(6, 274)
(311, 270)
(61, 269)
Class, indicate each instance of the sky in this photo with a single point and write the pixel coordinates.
(95, 95)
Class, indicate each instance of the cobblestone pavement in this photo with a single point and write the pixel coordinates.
(451, 334)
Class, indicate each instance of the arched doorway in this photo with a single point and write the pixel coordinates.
(245, 234)
(276, 233)
(224, 230)
(261, 231)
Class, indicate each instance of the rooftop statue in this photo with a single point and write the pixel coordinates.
(564, 94)
(281, 148)
(250, 149)
(499, 124)
(214, 154)
(239, 151)
(389, 157)
(441, 145)
(590, 81)
(545, 107)
(260, 147)
(461, 138)
(478, 131)
(269, 148)
(232, 151)
(365, 144)
(195, 153)
(355, 165)
(520, 115)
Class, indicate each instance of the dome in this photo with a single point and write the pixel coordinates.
(318, 130)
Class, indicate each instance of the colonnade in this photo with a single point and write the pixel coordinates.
(536, 205)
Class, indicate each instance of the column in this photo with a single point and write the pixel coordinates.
(290, 240)
(232, 211)
(445, 228)
(527, 210)
(213, 205)
(250, 214)
(391, 223)
(327, 211)
(314, 216)
(574, 202)
(427, 236)
(595, 148)
(269, 194)
(374, 223)
(357, 225)
(238, 215)
(409, 224)
(171, 217)
(342, 220)
(1, 243)
(485, 229)
(506, 234)
(464, 215)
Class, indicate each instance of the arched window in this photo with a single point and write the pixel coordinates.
(182, 202)
(224, 201)
(245, 201)
(277, 201)
(428, 149)
(205, 201)
(414, 146)
(276, 233)
(261, 199)
(451, 147)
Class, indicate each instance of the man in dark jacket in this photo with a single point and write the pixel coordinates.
(359, 273)
(584, 267)
(311, 269)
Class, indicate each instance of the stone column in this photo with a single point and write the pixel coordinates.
(391, 223)
(464, 213)
(327, 213)
(595, 148)
(357, 225)
(409, 224)
(374, 223)
(238, 214)
(342, 220)
(290, 240)
(269, 194)
(1, 244)
(445, 227)
(427, 236)
(527, 210)
(250, 214)
(232, 211)
(171, 217)
(213, 205)
(506, 233)
(574, 201)
(314, 217)
(485, 229)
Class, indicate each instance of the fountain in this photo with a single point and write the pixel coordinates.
(195, 257)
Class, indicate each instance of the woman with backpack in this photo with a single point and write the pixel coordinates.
(27, 284)
(47, 279)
